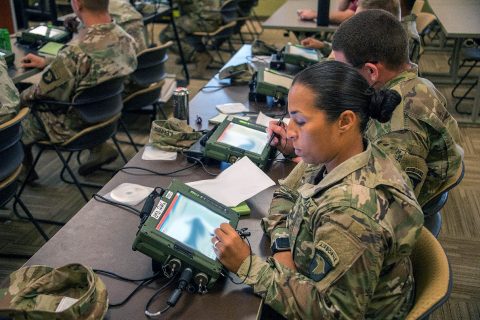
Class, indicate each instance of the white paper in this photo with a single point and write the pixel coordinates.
(152, 153)
(275, 78)
(65, 303)
(234, 107)
(264, 120)
(239, 182)
(221, 116)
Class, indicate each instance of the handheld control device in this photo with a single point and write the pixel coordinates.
(300, 55)
(177, 234)
(236, 138)
(43, 34)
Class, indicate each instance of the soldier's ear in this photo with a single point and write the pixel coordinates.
(371, 71)
(347, 120)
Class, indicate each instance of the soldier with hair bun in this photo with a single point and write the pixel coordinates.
(344, 222)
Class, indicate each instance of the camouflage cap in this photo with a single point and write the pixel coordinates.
(172, 135)
(71, 292)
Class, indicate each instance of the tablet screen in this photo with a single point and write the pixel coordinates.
(244, 138)
(43, 30)
(191, 223)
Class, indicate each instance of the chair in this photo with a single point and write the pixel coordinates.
(151, 65)
(100, 107)
(431, 210)
(470, 55)
(432, 274)
(11, 156)
(43, 10)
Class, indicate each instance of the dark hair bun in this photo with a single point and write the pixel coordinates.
(382, 104)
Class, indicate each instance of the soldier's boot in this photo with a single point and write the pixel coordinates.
(27, 165)
(99, 156)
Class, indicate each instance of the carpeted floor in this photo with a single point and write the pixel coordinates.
(460, 235)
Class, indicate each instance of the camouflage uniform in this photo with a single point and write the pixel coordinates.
(130, 20)
(409, 23)
(40, 292)
(351, 235)
(422, 136)
(197, 17)
(100, 53)
(9, 99)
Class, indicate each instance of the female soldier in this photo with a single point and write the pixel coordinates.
(344, 222)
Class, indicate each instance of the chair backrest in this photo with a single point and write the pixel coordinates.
(151, 65)
(245, 7)
(424, 19)
(418, 6)
(8, 186)
(100, 102)
(229, 11)
(143, 98)
(11, 151)
(221, 34)
(433, 277)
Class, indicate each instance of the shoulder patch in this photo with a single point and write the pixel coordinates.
(328, 251)
(49, 77)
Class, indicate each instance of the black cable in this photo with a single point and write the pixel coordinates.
(140, 286)
(102, 199)
(119, 277)
(215, 88)
(200, 162)
(154, 296)
(124, 169)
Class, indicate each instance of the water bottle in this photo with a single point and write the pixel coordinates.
(323, 9)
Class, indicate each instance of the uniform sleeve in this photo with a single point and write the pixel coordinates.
(341, 277)
(283, 200)
(411, 150)
(59, 78)
(9, 99)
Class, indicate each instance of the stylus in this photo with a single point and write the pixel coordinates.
(274, 134)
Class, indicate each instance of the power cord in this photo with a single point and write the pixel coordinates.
(125, 169)
(127, 207)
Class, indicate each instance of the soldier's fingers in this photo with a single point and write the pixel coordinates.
(228, 229)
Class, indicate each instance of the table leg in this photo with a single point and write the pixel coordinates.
(455, 60)
(476, 103)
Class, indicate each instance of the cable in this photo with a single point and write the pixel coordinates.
(102, 199)
(119, 277)
(140, 286)
(183, 281)
(200, 162)
(216, 88)
(124, 169)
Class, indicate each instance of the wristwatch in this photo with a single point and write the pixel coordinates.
(280, 244)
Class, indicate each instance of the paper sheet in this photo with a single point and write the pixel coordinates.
(152, 153)
(230, 108)
(221, 116)
(264, 120)
(232, 186)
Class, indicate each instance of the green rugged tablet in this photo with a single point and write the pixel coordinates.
(44, 34)
(273, 83)
(181, 227)
(300, 55)
(8, 56)
(236, 138)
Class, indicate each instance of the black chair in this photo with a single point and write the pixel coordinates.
(471, 59)
(11, 157)
(100, 107)
(151, 65)
(42, 10)
(431, 210)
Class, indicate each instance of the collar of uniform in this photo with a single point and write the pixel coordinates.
(410, 17)
(409, 74)
(344, 169)
(102, 26)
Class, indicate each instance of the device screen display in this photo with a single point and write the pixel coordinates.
(191, 223)
(2, 54)
(244, 138)
(43, 31)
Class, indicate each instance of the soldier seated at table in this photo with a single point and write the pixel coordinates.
(392, 6)
(344, 223)
(421, 135)
(101, 51)
(197, 16)
(9, 97)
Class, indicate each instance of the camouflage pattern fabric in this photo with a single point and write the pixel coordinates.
(9, 99)
(409, 23)
(172, 135)
(66, 293)
(198, 16)
(351, 235)
(99, 53)
(422, 136)
(130, 20)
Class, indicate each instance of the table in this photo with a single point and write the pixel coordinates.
(459, 20)
(101, 236)
(16, 72)
(285, 18)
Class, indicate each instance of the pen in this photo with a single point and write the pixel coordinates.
(274, 134)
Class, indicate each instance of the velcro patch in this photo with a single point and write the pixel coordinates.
(330, 254)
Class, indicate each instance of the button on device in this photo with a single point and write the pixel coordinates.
(232, 159)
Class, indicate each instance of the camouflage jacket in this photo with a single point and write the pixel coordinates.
(201, 15)
(351, 235)
(9, 99)
(130, 20)
(409, 23)
(422, 136)
(99, 53)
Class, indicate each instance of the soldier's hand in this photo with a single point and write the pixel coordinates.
(312, 43)
(306, 14)
(280, 140)
(285, 258)
(33, 61)
(231, 250)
